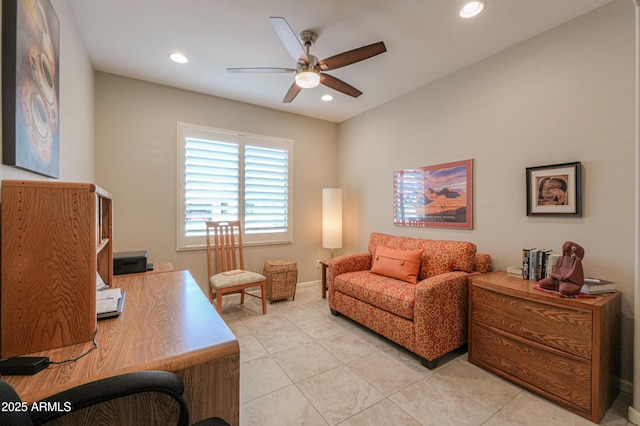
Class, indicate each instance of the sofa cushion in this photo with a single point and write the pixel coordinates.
(401, 264)
(448, 256)
(438, 256)
(382, 292)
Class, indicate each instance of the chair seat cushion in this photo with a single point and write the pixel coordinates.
(235, 278)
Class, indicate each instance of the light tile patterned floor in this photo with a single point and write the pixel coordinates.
(300, 365)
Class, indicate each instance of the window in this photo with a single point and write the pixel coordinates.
(224, 175)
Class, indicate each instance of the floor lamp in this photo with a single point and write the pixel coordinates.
(332, 219)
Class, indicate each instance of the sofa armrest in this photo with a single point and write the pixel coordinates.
(348, 263)
(483, 263)
(440, 314)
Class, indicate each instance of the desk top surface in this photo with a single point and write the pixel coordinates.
(167, 324)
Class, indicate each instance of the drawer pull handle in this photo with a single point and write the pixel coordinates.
(580, 312)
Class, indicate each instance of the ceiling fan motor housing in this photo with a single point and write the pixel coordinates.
(312, 66)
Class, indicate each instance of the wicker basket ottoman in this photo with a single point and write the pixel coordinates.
(282, 276)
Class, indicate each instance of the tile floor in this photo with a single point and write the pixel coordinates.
(300, 365)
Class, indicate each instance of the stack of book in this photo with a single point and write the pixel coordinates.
(538, 263)
(515, 271)
(596, 286)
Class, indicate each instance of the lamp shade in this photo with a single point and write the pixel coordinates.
(332, 218)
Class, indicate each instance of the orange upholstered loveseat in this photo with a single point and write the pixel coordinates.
(429, 318)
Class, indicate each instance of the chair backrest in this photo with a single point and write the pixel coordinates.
(97, 392)
(12, 415)
(224, 246)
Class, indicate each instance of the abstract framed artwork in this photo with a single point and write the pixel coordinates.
(554, 190)
(434, 196)
(30, 86)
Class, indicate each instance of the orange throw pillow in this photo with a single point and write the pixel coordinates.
(399, 264)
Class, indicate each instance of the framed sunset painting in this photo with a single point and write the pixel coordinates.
(434, 196)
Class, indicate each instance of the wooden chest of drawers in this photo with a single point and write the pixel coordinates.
(566, 350)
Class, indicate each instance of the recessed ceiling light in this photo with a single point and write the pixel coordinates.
(179, 58)
(327, 98)
(472, 9)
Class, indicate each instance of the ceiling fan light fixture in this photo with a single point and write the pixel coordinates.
(472, 8)
(307, 79)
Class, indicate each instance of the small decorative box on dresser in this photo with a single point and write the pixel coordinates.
(564, 349)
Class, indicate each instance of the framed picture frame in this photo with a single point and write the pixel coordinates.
(434, 196)
(31, 86)
(554, 190)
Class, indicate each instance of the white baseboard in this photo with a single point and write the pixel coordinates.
(308, 284)
(633, 416)
(298, 285)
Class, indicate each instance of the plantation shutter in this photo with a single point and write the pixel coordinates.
(229, 176)
(266, 188)
(212, 183)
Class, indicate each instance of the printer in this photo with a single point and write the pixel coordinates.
(130, 262)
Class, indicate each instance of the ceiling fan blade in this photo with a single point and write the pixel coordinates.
(260, 70)
(352, 56)
(289, 39)
(292, 93)
(339, 85)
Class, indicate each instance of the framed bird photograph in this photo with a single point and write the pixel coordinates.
(554, 190)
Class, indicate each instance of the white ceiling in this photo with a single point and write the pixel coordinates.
(425, 39)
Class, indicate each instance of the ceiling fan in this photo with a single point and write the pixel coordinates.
(309, 70)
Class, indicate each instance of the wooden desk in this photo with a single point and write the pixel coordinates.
(167, 324)
(162, 267)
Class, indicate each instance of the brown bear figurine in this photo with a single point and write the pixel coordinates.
(568, 277)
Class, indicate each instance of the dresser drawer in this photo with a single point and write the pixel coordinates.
(567, 378)
(564, 328)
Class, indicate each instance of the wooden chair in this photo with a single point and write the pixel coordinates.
(224, 241)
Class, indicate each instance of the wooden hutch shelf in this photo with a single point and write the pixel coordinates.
(56, 238)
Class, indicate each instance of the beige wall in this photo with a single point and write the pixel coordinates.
(76, 106)
(566, 95)
(136, 148)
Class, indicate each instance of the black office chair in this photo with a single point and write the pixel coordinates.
(97, 392)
